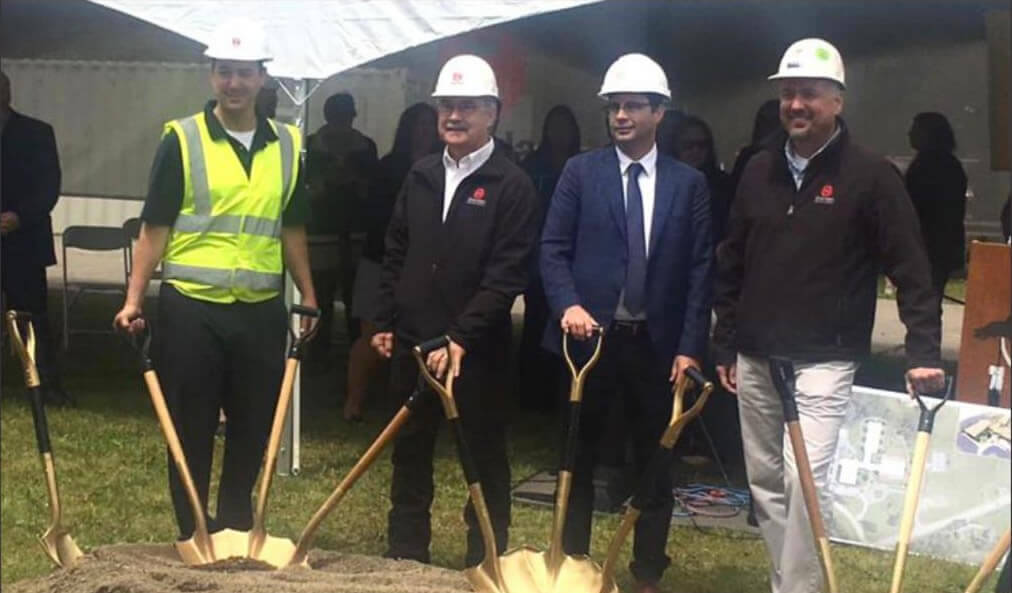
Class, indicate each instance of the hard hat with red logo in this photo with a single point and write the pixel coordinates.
(466, 76)
(239, 39)
(635, 73)
(811, 58)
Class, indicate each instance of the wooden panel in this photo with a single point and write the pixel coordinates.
(999, 46)
(988, 303)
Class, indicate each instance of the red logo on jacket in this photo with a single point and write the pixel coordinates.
(477, 197)
(825, 195)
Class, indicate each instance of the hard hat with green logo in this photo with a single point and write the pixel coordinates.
(811, 58)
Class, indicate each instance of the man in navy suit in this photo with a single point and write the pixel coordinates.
(626, 246)
(29, 189)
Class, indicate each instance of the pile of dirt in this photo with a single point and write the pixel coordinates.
(156, 568)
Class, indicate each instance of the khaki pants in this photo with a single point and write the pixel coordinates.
(823, 392)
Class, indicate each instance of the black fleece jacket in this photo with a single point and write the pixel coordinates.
(797, 274)
(458, 277)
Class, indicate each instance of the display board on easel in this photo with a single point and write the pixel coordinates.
(984, 348)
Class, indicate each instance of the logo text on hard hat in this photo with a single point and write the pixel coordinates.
(456, 77)
(236, 42)
(822, 53)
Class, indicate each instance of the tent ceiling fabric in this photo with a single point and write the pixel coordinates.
(316, 39)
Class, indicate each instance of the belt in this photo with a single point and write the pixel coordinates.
(629, 328)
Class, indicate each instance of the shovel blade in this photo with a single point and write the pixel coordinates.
(229, 543)
(527, 570)
(276, 551)
(60, 547)
(189, 552)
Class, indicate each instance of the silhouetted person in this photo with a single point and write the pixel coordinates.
(340, 160)
(667, 130)
(936, 183)
(694, 146)
(29, 189)
(766, 122)
(538, 368)
(416, 137)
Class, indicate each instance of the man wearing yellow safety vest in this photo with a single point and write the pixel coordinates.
(225, 215)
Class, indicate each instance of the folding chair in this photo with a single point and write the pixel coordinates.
(132, 230)
(90, 238)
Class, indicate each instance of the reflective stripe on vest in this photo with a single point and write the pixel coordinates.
(219, 277)
(225, 244)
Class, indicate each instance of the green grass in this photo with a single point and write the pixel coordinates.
(111, 464)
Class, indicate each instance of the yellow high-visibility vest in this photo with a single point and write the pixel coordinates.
(225, 245)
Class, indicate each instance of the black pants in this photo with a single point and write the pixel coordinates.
(25, 289)
(479, 398)
(628, 368)
(210, 356)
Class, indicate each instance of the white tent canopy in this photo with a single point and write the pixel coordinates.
(315, 39)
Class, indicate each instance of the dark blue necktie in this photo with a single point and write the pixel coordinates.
(636, 269)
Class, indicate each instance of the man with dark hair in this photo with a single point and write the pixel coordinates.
(815, 219)
(30, 177)
(626, 246)
(340, 161)
(225, 215)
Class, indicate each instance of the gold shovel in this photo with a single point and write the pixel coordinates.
(56, 540)
(913, 495)
(301, 552)
(198, 548)
(660, 462)
(782, 373)
(487, 577)
(526, 569)
(256, 543)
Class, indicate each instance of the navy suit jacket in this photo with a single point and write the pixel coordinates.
(584, 251)
(29, 187)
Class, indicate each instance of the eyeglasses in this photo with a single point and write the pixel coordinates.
(461, 106)
(629, 107)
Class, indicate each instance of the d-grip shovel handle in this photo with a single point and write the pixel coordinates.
(658, 462)
(679, 419)
(445, 391)
(927, 420)
(299, 339)
(576, 396)
(19, 325)
(782, 373)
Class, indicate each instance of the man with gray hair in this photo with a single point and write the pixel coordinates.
(815, 218)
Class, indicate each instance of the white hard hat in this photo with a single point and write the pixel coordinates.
(466, 76)
(635, 73)
(811, 58)
(239, 39)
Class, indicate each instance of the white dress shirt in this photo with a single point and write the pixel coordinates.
(647, 182)
(457, 171)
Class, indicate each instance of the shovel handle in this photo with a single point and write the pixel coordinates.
(299, 339)
(25, 349)
(433, 344)
(782, 373)
(356, 472)
(580, 374)
(990, 563)
(927, 418)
